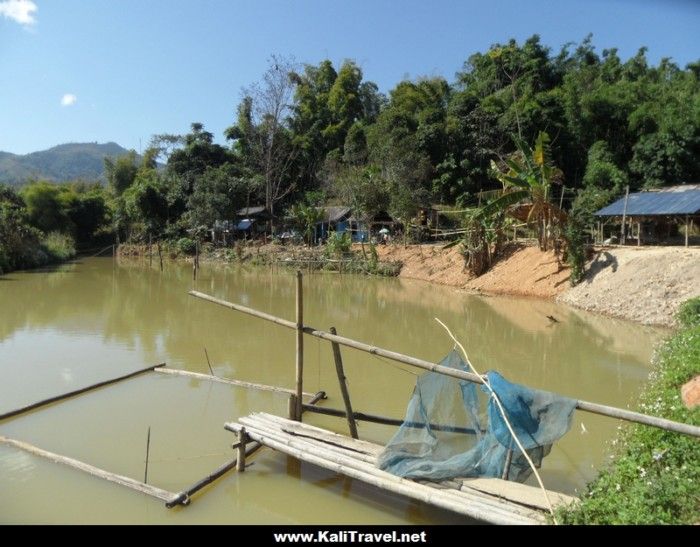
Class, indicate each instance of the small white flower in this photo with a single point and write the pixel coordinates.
(618, 487)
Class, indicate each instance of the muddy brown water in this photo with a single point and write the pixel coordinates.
(91, 320)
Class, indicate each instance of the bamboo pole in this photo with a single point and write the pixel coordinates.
(373, 418)
(206, 354)
(309, 442)
(292, 407)
(242, 441)
(299, 344)
(687, 230)
(586, 406)
(50, 400)
(343, 387)
(148, 452)
(316, 440)
(471, 506)
(220, 380)
(639, 233)
(147, 489)
(506, 465)
(183, 497)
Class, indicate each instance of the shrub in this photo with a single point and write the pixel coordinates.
(689, 313)
(59, 246)
(338, 245)
(185, 245)
(575, 248)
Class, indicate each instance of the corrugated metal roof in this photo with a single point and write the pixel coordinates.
(334, 213)
(675, 200)
(250, 211)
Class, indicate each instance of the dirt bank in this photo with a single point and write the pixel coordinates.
(427, 263)
(522, 270)
(645, 284)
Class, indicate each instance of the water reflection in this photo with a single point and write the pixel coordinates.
(94, 319)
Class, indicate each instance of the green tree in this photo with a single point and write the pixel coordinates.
(528, 178)
(121, 172)
(88, 213)
(47, 206)
(306, 218)
(218, 193)
(146, 202)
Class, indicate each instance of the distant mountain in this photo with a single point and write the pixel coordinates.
(60, 163)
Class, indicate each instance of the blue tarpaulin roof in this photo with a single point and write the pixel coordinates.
(675, 200)
(244, 224)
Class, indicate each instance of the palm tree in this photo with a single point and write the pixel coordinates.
(527, 183)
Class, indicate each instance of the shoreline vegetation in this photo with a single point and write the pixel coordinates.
(615, 281)
(654, 475)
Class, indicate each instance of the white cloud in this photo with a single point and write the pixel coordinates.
(68, 99)
(21, 11)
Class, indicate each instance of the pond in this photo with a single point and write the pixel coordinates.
(96, 319)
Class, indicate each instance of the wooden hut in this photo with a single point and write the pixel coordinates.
(652, 216)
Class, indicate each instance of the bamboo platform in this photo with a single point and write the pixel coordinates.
(489, 500)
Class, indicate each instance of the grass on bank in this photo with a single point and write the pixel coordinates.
(36, 252)
(655, 475)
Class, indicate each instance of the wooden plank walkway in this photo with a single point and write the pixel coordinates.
(490, 500)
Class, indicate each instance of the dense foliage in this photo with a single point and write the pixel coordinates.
(22, 244)
(604, 122)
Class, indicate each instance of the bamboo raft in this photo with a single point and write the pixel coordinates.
(494, 501)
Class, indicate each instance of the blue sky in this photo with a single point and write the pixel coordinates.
(123, 70)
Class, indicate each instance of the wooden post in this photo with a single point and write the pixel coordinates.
(687, 230)
(194, 262)
(160, 256)
(343, 387)
(300, 345)
(624, 216)
(242, 440)
(150, 250)
(639, 233)
(148, 451)
(292, 406)
(506, 465)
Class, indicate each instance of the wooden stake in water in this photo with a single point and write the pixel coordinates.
(148, 449)
(208, 362)
(300, 346)
(344, 387)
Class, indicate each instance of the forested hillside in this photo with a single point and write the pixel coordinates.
(61, 163)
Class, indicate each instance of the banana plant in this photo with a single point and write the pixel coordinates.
(527, 180)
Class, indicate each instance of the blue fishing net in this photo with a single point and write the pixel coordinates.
(453, 428)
